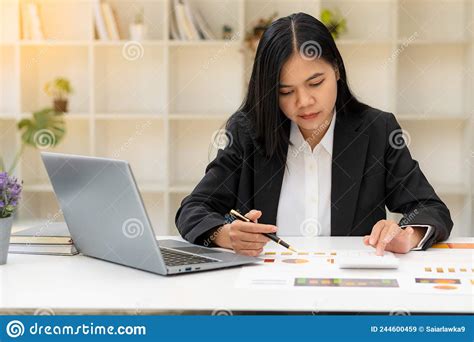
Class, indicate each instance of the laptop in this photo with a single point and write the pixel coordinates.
(107, 220)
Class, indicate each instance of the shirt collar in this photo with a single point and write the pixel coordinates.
(326, 142)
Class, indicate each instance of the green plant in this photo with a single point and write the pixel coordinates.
(58, 88)
(140, 17)
(253, 36)
(46, 128)
(334, 21)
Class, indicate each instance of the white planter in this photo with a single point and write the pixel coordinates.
(137, 32)
(5, 232)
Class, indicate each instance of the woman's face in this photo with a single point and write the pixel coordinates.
(308, 91)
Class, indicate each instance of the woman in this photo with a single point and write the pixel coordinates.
(306, 158)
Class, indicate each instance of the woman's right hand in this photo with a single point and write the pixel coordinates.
(245, 237)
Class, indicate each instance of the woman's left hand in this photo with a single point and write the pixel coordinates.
(387, 235)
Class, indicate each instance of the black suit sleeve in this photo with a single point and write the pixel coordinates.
(408, 191)
(202, 212)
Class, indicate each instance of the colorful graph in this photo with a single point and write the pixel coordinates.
(448, 269)
(295, 261)
(286, 253)
(346, 282)
(437, 281)
(445, 287)
(453, 245)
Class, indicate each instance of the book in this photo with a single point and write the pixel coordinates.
(110, 21)
(183, 29)
(190, 21)
(65, 250)
(99, 21)
(35, 30)
(47, 233)
(48, 239)
(203, 26)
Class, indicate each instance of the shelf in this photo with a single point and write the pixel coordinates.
(101, 43)
(434, 41)
(378, 18)
(41, 65)
(128, 116)
(153, 13)
(444, 189)
(191, 68)
(183, 188)
(439, 149)
(155, 205)
(439, 20)
(363, 66)
(207, 43)
(140, 142)
(70, 16)
(54, 43)
(9, 83)
(123, 78)
(193, 149)
(428, 76)
(67, 115)
(363, 42)
(431, 117)
(9, 16)
(152, 187)
(198, 116)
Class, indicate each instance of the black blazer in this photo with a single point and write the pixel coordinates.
(369, 172)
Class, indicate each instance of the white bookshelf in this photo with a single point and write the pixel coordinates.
(414, 58)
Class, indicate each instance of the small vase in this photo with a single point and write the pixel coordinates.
(60, 106)
(5, 232)
(137, 32)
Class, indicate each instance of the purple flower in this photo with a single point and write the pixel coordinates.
(10, 191)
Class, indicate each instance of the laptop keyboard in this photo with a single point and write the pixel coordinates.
(175, 258)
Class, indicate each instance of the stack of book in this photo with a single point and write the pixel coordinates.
(48, 239)
(188, 23)
(105, 21)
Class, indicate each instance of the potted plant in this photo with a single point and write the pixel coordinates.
(334, 21)
(10, 190)
(253, 36)
(137, 28)
(45, 129)
(59, 89)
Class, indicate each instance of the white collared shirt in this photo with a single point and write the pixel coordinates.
(304, 208)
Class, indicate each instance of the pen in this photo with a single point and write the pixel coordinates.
(271, 236)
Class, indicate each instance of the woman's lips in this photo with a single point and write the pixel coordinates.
(309, 116)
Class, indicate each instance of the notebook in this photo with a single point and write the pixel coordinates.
(48, 238)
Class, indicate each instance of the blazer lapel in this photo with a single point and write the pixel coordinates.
(348, 160)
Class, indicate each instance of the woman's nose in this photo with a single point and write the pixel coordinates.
(304, 99)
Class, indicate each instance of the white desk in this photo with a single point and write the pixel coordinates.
(80, 284)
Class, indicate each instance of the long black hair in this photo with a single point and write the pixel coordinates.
(296, 32)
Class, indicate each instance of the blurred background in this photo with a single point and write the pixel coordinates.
(153, 81)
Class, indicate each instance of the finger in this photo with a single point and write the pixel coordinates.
(366, 240)
(239, 244)
(376, 230)
(386, 236)
(255, 227)
(251, 237)
(253, 215)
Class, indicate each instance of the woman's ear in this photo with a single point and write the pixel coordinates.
(336, 70)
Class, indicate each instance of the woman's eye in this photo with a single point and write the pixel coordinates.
(287, 93)
(316, 84)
